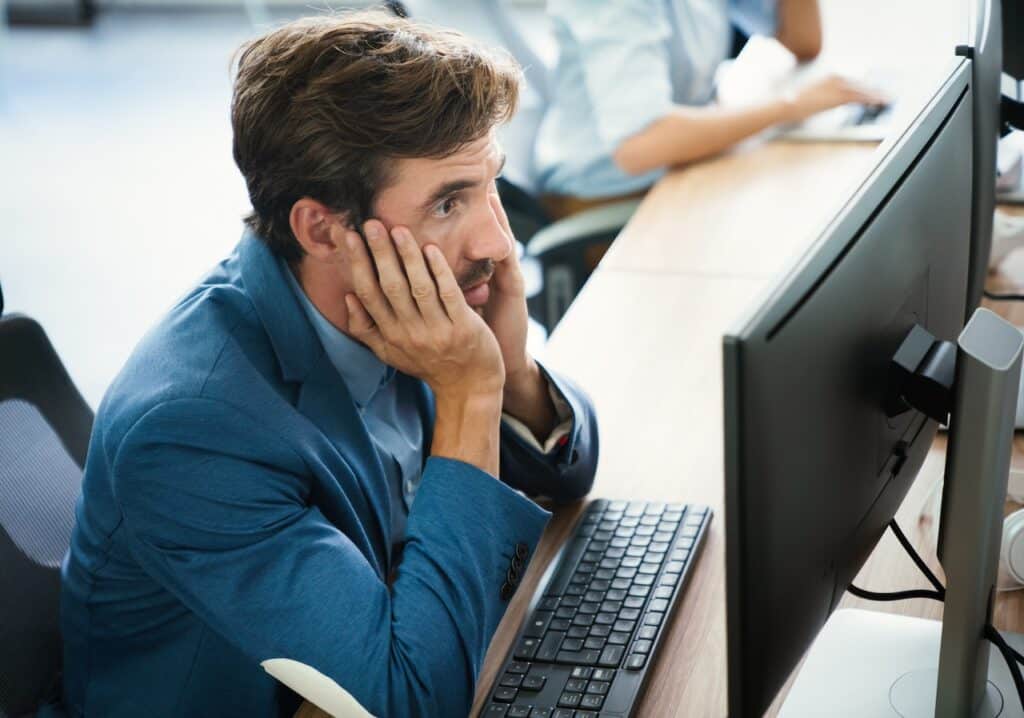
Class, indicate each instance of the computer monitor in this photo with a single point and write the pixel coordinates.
(986, 68)
(816, 465)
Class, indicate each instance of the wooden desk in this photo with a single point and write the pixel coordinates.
(644, 339)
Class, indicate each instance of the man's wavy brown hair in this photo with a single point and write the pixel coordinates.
(322, 105)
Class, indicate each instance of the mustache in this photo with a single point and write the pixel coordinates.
(480, 271)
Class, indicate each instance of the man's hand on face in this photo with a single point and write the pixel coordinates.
(412, 314)
(505, 311)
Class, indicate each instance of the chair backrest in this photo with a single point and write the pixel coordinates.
(44, 433)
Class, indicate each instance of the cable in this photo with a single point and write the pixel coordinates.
(896, 596)
(1000, 297)
(1011, 656)
(999, 642)
(901, 537)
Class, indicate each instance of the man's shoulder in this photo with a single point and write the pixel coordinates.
(213, 330)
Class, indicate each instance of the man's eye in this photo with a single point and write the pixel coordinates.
(445, 207)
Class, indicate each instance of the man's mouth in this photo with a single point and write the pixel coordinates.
(477, 294)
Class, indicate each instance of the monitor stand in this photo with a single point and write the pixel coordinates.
(867, 663)
(874, 664)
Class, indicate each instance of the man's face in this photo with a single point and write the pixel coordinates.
(444, 202)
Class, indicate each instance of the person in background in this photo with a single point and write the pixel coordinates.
(633, 92)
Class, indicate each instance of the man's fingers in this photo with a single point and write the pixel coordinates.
(447, 288)
(361, 325)
(421, 283)
(364, 281)
(390, 274)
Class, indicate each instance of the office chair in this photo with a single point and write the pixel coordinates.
(44, 434)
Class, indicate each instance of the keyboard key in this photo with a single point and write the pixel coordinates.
(518, 667)
(635, 508)
(613, 606)
(583, 619)
(618, 637)
(511, 680)
(635, 552)
(630, 614)
(559, 713)
(495, 710)
(631, 521)
(621, 584)
(541, 712)
(689, 531)
(518, 712)
(615, 553)
(617, 506)
(608, 564)
(675, 566)
(626, 572)
(598, 630)
(647, 632)
(603, 674)
(633, 602)
(653, 618)
(580, 658)
(645, 530)
(605, 619)
(648, 567)
(569, 700)
(505, 695)
(592, 596)
(594, 642)
(636, 661)
(644, 579)
(669, 578)
(611, 656)
(598, 687)
(594, 702)
(582, 672)
(639, 590)
(572, 644)
(559, 624)
(642, 646)
(606, 574)
(663, 592)
(616, 594)
(578, 632)
(665, 536)
(655, 508)
(538, 624)
(631, 562)
(686, 543)
(576, 685)
(533, 683)
(626, 626)
(590, 606)
(548, 650)
(619, 543)
(657, 548)
(526, 649)
(657, 604)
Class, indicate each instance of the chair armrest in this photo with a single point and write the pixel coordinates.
(582, 226)
(315, 687)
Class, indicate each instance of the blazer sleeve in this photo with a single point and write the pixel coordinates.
(218, 513)
(565, 474)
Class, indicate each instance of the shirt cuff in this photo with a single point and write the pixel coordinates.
(563, 412)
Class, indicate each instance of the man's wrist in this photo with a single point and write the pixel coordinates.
(526, 397)
(467, 428)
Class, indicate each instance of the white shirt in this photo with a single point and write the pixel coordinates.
(623, 64)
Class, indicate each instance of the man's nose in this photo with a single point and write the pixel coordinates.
(489, 241)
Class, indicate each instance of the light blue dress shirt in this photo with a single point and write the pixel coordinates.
(621, 66)
(391, 416)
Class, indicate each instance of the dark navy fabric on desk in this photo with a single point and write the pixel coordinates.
(235, 510)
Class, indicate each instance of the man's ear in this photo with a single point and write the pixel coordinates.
(311, 223)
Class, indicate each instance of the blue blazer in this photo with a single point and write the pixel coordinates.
(234, 510)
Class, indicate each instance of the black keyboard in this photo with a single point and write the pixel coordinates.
(598, 617)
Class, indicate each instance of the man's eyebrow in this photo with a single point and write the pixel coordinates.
(456, 185)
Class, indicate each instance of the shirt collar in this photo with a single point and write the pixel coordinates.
(359, 367)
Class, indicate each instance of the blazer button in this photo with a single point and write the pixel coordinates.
(522, 550)
(506, 591)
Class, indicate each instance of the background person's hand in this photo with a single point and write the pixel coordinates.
(412, 314)
(828, 92)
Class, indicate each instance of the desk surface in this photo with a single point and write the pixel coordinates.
(644, 339)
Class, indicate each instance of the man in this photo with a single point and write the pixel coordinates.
(300, 460)
(634, 90)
